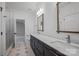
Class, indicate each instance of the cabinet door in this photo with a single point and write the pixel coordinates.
(32, 42)
(33, 45)
(49, 52)
(36, 47)
(40, 48)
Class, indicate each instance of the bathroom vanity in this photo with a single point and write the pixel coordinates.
(46, 46)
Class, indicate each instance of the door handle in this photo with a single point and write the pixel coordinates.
(14, 33)
(1, 9)
(1, 33)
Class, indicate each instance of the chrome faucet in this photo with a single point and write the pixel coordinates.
(68, 39)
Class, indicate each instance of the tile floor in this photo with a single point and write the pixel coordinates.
(21, 48)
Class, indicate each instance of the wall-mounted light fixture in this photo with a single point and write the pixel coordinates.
(40, 20)
(40, 12)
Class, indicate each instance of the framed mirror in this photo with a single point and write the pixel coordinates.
(68, 17)
(40, 23)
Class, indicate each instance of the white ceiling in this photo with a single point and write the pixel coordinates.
(26, 6)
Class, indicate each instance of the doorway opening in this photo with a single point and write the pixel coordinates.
(20, 31)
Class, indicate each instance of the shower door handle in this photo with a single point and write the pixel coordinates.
(1, 33)
(14, 33)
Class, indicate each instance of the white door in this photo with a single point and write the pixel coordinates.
(0, 32)
(2, 29)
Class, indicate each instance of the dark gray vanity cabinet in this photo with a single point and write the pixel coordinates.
(32, 43)
(48, 51)
(36, 46)
(42, 49)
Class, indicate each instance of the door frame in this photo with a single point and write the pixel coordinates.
(15, 28)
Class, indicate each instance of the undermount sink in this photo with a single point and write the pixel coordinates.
(65, 47)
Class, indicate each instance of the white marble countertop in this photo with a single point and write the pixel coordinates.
(69, 49)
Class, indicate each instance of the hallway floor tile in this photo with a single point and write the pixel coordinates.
(22, 49)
